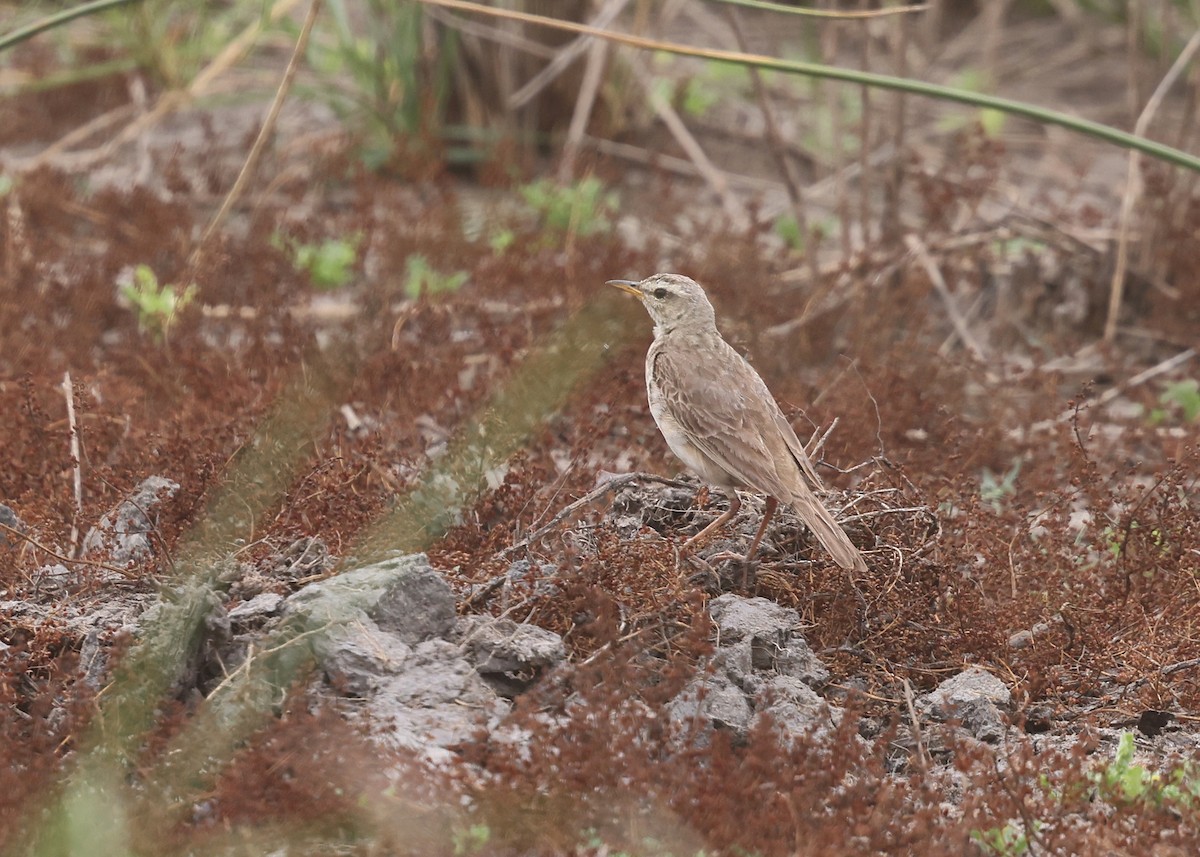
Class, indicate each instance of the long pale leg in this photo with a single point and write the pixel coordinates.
(704, 535)
(771, 505)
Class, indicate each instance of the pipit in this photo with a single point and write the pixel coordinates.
(719, 418)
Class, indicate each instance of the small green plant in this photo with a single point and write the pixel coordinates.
(1182, 397)
(1008, 841)
(329, 264)
(787, 227)
(422, 279)
(584, 208)
(699, 93)
(501, 240)
(995, 490)
(1122, 782)
(384, 75)
(156, 306)
(471, 840)
(990, 120)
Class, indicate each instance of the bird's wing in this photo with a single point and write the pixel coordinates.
(796, 448)
(728, 413)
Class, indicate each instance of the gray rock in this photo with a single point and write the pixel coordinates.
(403, 596)
(417, 607)
(360, 658)
(736, 660)
(974, 697)
(436, 701)
(766, 624)
(795, 709)
(712, 702)
(797, 660)
(125, 533)
(259, 607)
(381, 639)
(11, 522)
(508, 655)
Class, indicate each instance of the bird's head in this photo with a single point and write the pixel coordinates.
(672, 300)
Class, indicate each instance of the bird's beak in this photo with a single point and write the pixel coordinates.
(626, 286)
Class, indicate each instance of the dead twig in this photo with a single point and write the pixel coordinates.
(695, 152)
(563, 59)
(606, 487)
(922, 759)
(264, 133)
(593, 75)
(1133, 184)
(921, 252)
(76, 465)
(66, 560)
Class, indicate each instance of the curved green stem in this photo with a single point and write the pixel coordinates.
(57, 19)
(865, 78)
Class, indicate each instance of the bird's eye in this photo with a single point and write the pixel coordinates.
(660, 293)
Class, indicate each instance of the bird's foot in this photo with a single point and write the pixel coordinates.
(724, 571)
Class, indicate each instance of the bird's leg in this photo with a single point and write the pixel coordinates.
(771, 505)
(704, 535)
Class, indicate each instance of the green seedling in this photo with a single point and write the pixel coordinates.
(381, 72)
(330, 264)
(501, 240)
(156, 306)
(1180, 396)
(471, 840)
(584, 208)
(1122, 782)
(420, 279)
(990, 120)
(995, 489)
(788, 228)
(1007, 841)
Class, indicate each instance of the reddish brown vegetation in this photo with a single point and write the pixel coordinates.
(1117, 588)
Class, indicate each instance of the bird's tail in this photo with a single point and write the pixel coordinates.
(828, 532)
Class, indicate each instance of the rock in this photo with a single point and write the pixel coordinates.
(974, 697)
(10, 521)
(795, 709)
(712, 702)
(403, 596)
(766, 624)
(258, 607)
(509, 656)
(125, 532)
(360, 659)
(436, 701)
(383, 639)
(798, 661)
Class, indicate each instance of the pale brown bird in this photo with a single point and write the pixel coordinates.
(718, 416)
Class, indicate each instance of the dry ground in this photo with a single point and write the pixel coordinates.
(1093, 543)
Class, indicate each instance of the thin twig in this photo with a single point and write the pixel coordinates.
(691, 146)
(1112, 393)
(593, 75)
(591, 497)
(176, 99)
(921, 252)
(66, 560)
(1133, 184)
(922, 760)
(565, 57)
(771, 127)
(76, 465)
(264, 133)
